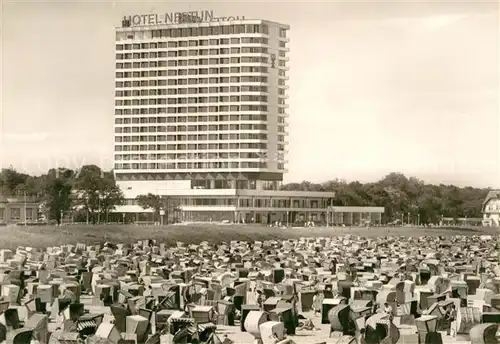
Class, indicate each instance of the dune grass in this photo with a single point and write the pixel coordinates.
(40, 237)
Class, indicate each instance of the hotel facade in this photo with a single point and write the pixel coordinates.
(201, 117)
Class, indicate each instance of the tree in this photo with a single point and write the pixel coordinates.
(303, 186)
(10, 180)
(151, 201)
(58, 188)
(110, 194)
(96, 191)
(400, 195)
(158, 204)
(429, 206)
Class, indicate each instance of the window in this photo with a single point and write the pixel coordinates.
(29, 214)
(15, 214)
(2, 214)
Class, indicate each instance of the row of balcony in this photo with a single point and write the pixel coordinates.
(236, 119)
(180, 119)
(202, 164)
(218, 148)
(148, 112)
(199, 155)
(242, 92)
(205, 108)
(183, 53)
(125, 93)
(166, 89)
(156, 150)
(172, 26)
(182, 92)
(123, 112)
(191, 73)
(195, 127)
(188, 167)
(120, 169)
(171, 126)
(172, 101)
(219, 142)
(190, 100)
(193, 44)
(213, 64)
(134, 89)
(127, 130)
(158, 63)
(196, 61)
(182, 128)
(237, 124)
(260, 137)
(205, 79)
(163, 65)
(194, 108)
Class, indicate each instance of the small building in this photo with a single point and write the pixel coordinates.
(238, 206)
(491, 209)
(18, 209)
(357, 216)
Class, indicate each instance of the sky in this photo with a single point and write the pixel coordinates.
(375, 87)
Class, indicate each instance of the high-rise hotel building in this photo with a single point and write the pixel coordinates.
(201, 116)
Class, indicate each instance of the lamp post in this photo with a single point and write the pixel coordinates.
(98, 208)
(162, 214)
(25, 211)
(87, 201)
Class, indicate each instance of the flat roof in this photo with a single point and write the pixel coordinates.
(18, 199)
(237, 21)
(131, 209)
(347, 209)
(286, 193)
(240, 192)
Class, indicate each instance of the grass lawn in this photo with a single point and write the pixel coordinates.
(14, 236)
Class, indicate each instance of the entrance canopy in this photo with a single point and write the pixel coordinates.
(131, 209)
(340, 209)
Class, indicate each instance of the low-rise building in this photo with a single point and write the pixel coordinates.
(240, 206)
(18, 209)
